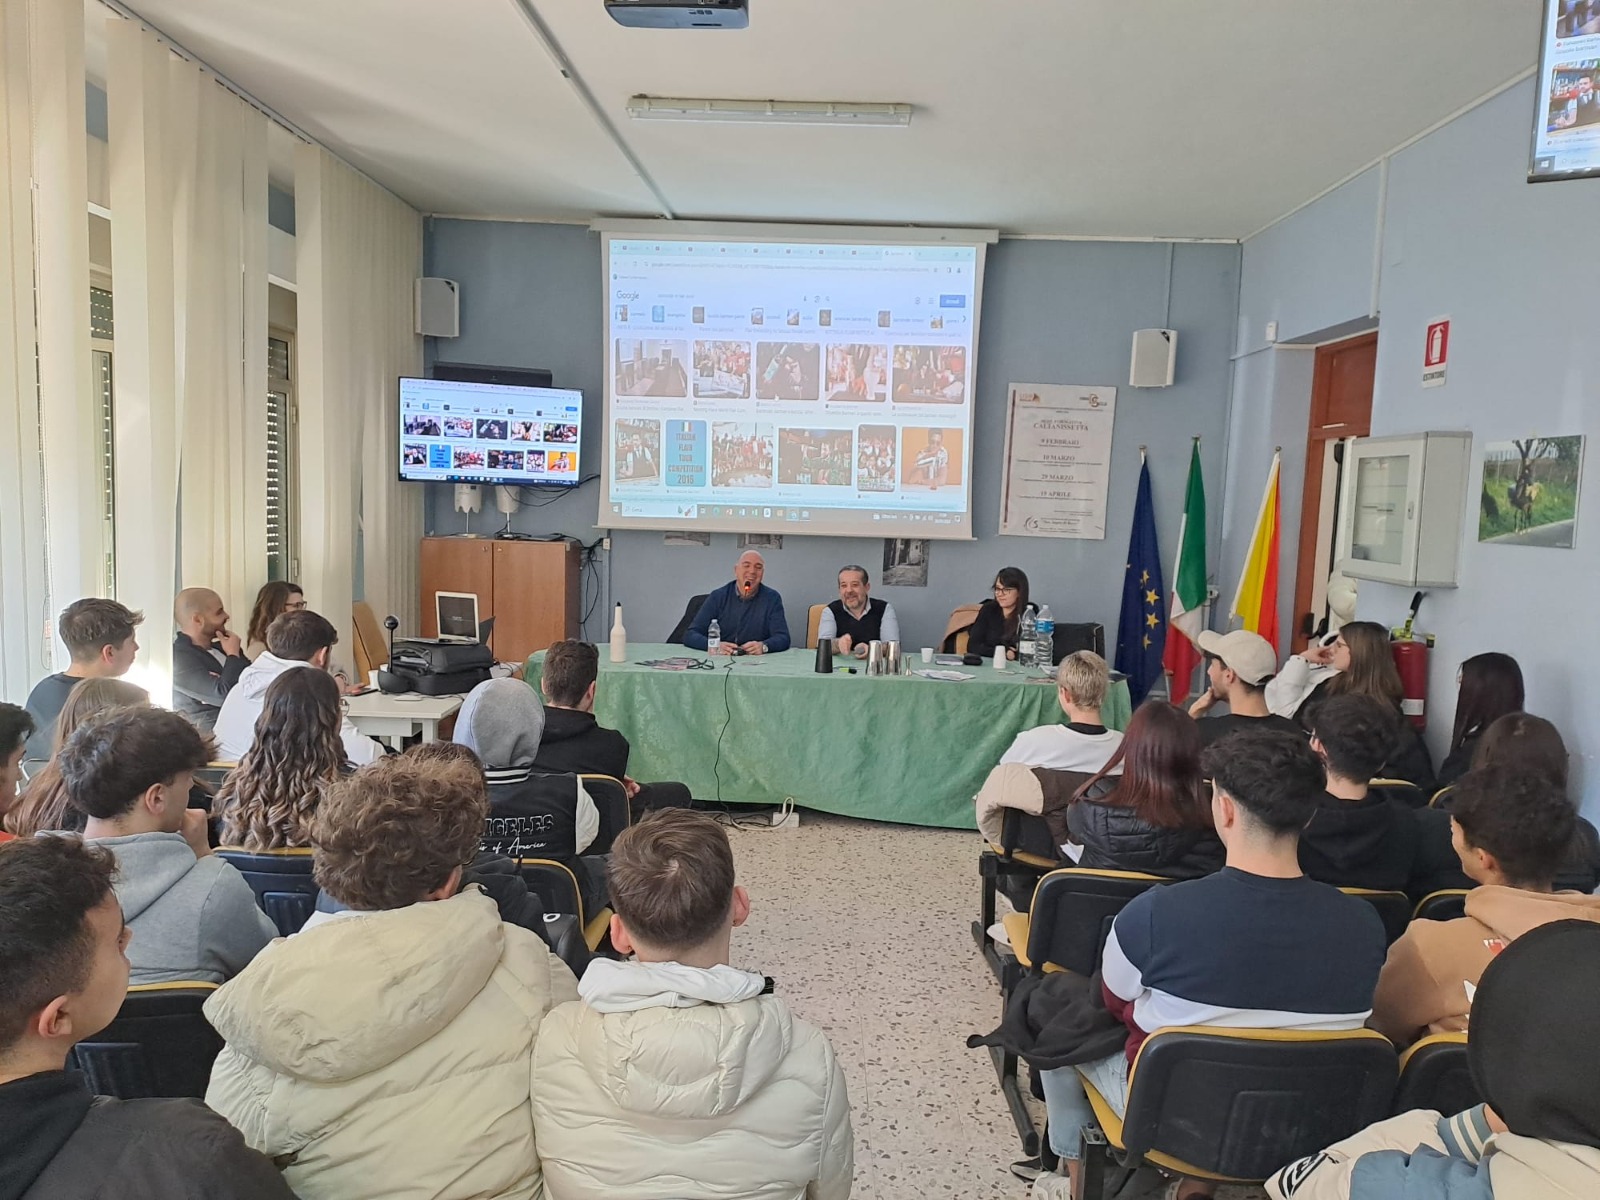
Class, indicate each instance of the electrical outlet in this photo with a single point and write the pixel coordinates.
(605, 544)
(782, 820)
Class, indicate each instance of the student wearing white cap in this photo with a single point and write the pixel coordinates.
(1238, 668)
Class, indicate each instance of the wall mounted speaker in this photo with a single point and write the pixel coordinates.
(1155, 356)
(438, 304)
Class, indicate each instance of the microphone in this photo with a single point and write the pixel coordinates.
(744, 589)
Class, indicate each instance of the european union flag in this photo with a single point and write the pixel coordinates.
(1142, 629)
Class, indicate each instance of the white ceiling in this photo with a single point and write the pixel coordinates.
(1082, 117)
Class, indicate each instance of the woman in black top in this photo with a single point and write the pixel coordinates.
(996, 624)
(1490, 687)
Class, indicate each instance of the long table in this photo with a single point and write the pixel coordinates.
(765, 728)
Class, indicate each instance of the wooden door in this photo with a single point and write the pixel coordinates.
(456, 565)
(536, 597)
(1341, 407)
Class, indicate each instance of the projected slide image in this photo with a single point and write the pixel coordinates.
(787, 370)
(1578, 18)
(414, 454)
(506, 460)
(815, 457)
(875, 458)
(468, 456)
(561, 434)
(459, 427)
(647, 367)
(858, 372)
(930, 458)
(636, 451)
(741, 454)
(492, 429)
(686, 454)
(561, 462)
(422, 427)
(722, 370)
(1574, 96)
(930, 374)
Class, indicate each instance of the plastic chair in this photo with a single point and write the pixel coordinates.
(1434, 1074)
(813, 623)
(616, 813)
(159, 1044)
(689, 614)
(1025, 854)
(1393, 907)
(557, 888)
(1070, 637)
(1441, 798)
(1444, 905)
(1403, 790)
(282, 882)
(1234, 1105)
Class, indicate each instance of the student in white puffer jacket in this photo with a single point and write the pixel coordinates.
(384, 1051)
(678, 1075)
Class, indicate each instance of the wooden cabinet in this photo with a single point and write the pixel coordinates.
(529, 588)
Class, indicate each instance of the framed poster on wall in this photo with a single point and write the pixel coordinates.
(1058, 460)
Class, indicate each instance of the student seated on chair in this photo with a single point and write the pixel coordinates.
(16, 724)
(296, 640)
(267, 800)
(1147, 809)
(63, 975)
(44, 805)
(573, 741)
(531, 815)
(1257, 945)
(1512, 832)
(1082, 743)
(1534, 1058)
(678, 1074)
(128, 770)
(387, 1049)
(99, 635)
(1239, 665)
(207, 658)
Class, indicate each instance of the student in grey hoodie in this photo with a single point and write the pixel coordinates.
(191, 914)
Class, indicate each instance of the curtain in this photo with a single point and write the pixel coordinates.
(358, 249)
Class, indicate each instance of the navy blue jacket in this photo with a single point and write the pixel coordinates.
(758, 619)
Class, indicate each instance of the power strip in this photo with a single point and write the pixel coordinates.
(786, 817)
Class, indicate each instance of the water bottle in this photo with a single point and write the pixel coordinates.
(1027, 631)
(1046, 625)
(619, 638)
(714, 637)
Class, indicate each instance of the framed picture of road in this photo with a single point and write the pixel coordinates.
(1530, 492)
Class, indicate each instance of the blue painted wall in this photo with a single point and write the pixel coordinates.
(1054, 312)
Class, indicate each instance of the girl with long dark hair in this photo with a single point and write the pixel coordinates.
(1155, 815)
(999, 616)
(268, 800)
(1366, 668)
(44, 801)
(272, 601)
(1489, 687)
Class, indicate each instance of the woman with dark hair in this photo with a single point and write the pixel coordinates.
(998, 618)
(268, 800)
(1155, 815)
(1490, 686)
(1366, 667)
(272, 601)
(44, 804)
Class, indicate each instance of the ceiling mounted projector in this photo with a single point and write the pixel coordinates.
(680, 14)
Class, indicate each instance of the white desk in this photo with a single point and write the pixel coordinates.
(391, 718)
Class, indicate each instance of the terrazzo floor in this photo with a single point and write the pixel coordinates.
(866, 929)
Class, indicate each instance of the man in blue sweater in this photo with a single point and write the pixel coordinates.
(749, 616)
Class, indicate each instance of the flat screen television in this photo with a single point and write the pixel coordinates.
(454, 431)
(1566, 123)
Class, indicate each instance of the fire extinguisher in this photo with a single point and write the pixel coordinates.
(1411, 653)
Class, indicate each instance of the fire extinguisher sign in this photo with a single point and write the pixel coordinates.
(1436, 352)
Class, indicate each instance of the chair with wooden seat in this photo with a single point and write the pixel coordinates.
(159, 1044)
(813, 623)
(557, 888)
(371, 650)
(1235, 1105)
(282, 882)
(1441, 798)
(675, 638)
(1444, 905)
(958, 629)
(1393, 907)
(1402, 790)
(616, 812)
(1434, 1074)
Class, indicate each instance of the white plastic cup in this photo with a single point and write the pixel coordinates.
(999, 658)
(927, 654)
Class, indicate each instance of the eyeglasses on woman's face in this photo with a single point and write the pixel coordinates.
(1001, 589)
(296, 604)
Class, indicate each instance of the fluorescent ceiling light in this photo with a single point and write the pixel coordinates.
(770, 112)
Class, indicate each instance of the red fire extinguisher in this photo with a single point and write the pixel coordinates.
(1411, 652)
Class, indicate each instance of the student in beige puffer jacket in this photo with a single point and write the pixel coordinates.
(385, 1050)
(678, 1075)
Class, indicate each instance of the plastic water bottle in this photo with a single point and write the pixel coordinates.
(714, 637)
(1046, 625)
(1027, 633)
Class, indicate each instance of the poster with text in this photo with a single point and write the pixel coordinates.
(1058, 460)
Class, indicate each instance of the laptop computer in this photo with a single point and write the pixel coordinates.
(457, 620)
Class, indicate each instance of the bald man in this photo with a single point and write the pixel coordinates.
(207, 660)
(749, 616)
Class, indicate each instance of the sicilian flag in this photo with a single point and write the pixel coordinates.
(1141, 633)
(1188, 586)
(1256, 602)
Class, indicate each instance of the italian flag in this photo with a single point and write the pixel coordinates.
(1182, 655)
(1256, 602)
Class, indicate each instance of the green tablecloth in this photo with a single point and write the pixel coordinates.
(890, 749)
